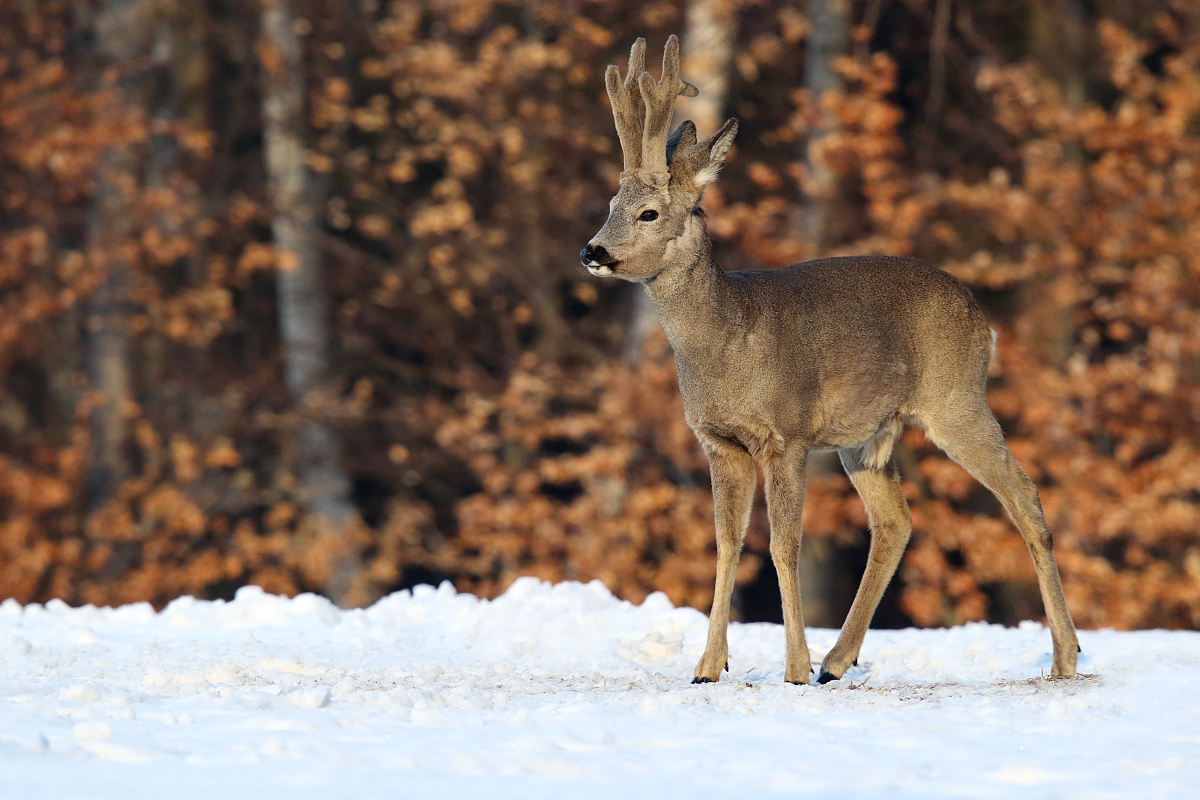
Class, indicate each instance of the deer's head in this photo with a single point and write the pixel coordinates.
(664, 176)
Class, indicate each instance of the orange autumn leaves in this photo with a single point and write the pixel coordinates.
(490, 429)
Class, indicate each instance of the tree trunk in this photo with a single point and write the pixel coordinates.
(1057, 30)
(937, 81)
(107, 341)
(829, 40)
(537, 276)
(179, 77)
(1056, 42)
(324, 485)
(118, 41)
(708, 37)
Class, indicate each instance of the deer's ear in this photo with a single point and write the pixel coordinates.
(683, 138)
(694, 165)
(715, 147)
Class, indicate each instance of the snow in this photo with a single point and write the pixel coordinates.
(564, 691)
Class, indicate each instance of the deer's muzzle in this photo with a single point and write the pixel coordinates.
(597, 260)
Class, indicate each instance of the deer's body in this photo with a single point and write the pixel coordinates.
(823, 353)
(837, 354)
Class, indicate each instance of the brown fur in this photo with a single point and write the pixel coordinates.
(837, 354)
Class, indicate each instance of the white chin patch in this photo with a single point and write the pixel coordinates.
(600, 270)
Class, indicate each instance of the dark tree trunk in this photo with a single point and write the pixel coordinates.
(119, 41)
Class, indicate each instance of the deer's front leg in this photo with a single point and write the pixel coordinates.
(733, 483)
(786, 483)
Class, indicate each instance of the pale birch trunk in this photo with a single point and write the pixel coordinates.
(829, 40)
(324, 485)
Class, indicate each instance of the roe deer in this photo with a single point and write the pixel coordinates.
(835, 354)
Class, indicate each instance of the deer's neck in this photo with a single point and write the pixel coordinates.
(694, 298)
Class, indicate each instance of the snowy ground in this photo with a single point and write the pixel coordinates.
(567, 692)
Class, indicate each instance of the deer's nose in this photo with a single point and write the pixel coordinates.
(594, 255)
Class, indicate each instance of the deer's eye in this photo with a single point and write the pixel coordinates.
(649, 215)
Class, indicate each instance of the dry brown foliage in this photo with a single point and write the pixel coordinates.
(491, 431)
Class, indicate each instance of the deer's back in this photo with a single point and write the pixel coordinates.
(882, 302)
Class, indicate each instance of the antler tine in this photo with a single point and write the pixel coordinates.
(659, 98)
(626, 104)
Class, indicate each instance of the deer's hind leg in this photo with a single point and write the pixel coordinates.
(973, 438)
(877, 482)
(733, 485)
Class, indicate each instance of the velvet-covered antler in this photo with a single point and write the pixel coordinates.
(659, 98)
(644, 139)
(627, 104)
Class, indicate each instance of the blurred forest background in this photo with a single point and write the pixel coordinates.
(290, 293)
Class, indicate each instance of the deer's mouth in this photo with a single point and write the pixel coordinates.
(603, 270)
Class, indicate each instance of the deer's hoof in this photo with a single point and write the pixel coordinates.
(826, 677)
(701, 679)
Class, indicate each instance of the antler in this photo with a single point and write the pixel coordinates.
(659, 98)
(626, 104)
(644, 141)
